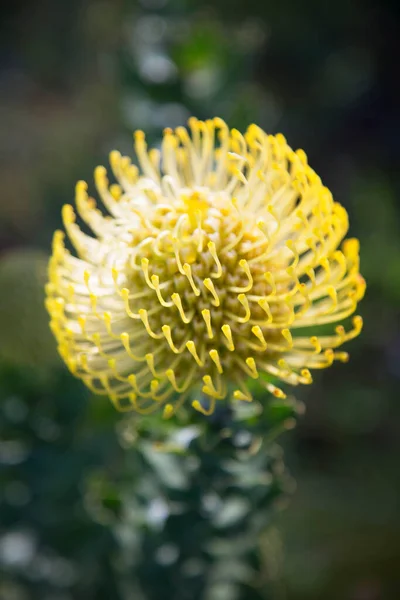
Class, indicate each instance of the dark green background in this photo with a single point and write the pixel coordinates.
(77, 76)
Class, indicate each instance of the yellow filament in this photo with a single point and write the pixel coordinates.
(149, 357)
(172, 378)
(311, 274)
(166, 329)
(123, 407)
(285, 369)
(176, 299)
(213, 251)
(126, 343)
(187, 269)
(168, 411)
(190, 345)
(207, 319)
(245, 266)
(209, 388)
(271, 281)
(215, 358)
(251, 363)
(290, 244)
(154, 384)
(306, 377)
(240, 395)
(265, 306)
(333, 295)
(316, 343)
(211, 288)
(155, 280)
(68, 215)
(256, 330)
(145, 268)
(226, 330)
(245, 303)
(125, 297)
(277, 392)
(242, 392)
(86, 279)
(93, 303)
(288, 337)
(145, 320)
(82, 322)
(197, 406)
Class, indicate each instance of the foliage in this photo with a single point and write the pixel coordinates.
(176, 510)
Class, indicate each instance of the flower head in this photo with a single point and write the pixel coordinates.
(216, 255)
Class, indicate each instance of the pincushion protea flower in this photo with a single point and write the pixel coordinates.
(216, 251)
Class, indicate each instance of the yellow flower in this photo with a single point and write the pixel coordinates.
(216, 255)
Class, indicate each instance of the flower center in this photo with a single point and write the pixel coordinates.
(198, 271)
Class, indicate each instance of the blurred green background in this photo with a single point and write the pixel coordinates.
(77, 76)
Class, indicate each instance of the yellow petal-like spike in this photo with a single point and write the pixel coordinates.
(242, 298)
(226, 330)
(216, 360)
(168, 411)
(213, 251)
(239, 395)
(176, 299)
(207, 319)
(190, 345)
(257, 331)
(250, 362)
(205, 411)
(188, 272)
(143, 314)
(166, 329)
(211, 288)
